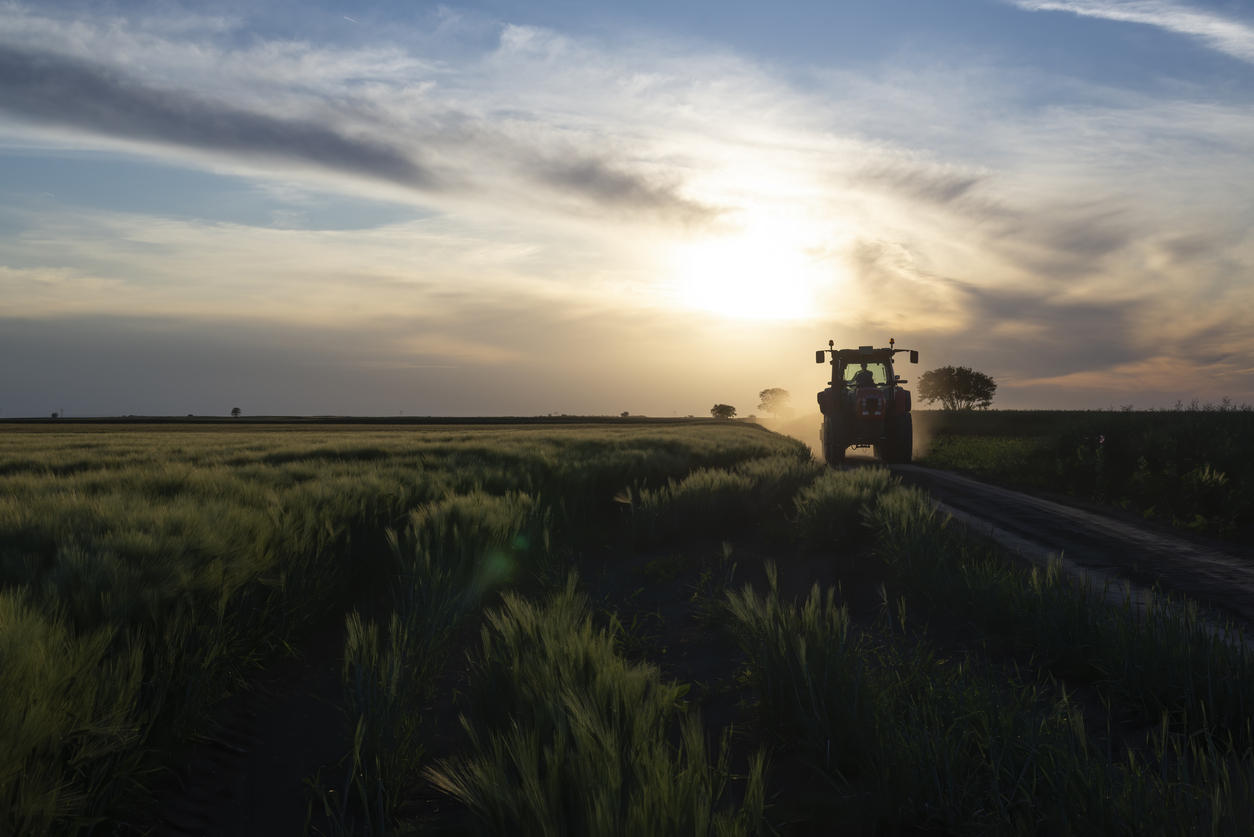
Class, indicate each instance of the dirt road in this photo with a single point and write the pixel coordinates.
(1105, 544)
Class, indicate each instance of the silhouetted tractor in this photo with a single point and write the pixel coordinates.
(865, 405)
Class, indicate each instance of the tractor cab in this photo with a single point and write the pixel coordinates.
(864, 404)
(872, 374)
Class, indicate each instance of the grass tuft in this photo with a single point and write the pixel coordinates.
(568, 737)
(1154, 657)
(718, 501)
(963, 746)
(827, 511)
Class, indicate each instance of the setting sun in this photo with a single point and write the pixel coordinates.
(762, 272)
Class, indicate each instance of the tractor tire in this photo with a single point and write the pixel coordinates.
(900, 443)
(833, 443)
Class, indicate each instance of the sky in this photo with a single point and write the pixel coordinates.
(371, 207)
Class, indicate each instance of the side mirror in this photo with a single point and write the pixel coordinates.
(914, 357)
(818, 356)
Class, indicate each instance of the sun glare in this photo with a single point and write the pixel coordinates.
(761, 272)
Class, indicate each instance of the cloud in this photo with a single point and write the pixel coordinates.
(63, 91)
(917, 180)
(603, 184)
(374, 114)
(894, 290)
(1232, 37)
(1163, 373)
(1050, 332)
(1035, 241)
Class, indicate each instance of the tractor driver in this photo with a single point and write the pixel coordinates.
(864, 377)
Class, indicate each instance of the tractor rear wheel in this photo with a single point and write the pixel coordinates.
(833, 443)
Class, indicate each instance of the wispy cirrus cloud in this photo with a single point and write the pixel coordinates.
(378, 114)
(1225, 34)
(65, 91)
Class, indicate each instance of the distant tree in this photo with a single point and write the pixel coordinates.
(235, 411)
(625, 414)
(54, 415)
(775, 401)
(957, 388)
(724, 411)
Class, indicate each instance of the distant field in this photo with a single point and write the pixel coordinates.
(1192, 468)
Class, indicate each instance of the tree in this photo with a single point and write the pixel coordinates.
(235, 411)
(957, 388)
(775, 401)
(722, 411)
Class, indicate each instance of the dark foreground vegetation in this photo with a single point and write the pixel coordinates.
(626, 611)
(1192, 467)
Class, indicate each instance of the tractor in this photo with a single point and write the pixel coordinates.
(865, 404)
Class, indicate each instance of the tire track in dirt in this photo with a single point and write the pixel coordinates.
(1105, 544)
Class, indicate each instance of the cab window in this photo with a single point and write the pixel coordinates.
(879, 372)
